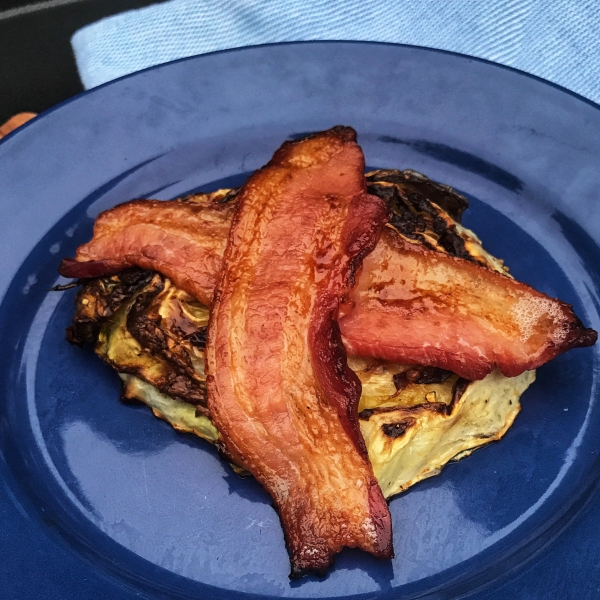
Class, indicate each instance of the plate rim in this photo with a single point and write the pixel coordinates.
(469, 57)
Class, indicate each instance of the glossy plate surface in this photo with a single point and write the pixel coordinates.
(103, 500)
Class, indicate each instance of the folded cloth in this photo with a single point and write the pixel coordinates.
(554, 39)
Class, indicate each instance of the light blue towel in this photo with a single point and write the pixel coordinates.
(558, 40)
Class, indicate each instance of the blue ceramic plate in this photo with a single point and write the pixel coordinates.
(102, 500)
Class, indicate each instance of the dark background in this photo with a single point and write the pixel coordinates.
(37, 66)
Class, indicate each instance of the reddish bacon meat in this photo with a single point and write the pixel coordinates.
(183, 241)
(279, 388)
(411, 305)
(454, 314)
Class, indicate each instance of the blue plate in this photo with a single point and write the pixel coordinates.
(102, 500)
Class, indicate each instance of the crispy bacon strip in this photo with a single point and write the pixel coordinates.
(418, 306)
(279, 387)
(411, 305)
(184, 241)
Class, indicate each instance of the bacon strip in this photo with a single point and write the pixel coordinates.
(423, 307)
(411, 305)
(184, 241)
(279, 388)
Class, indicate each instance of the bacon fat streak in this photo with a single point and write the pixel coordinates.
(279, 388)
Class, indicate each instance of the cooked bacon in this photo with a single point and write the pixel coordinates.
(184, 241)
(423, 307)
(279, 388)
(480, 319)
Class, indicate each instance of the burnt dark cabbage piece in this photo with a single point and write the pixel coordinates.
(409, 196)
(419, 188)
(131, 334)
(98, 299)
